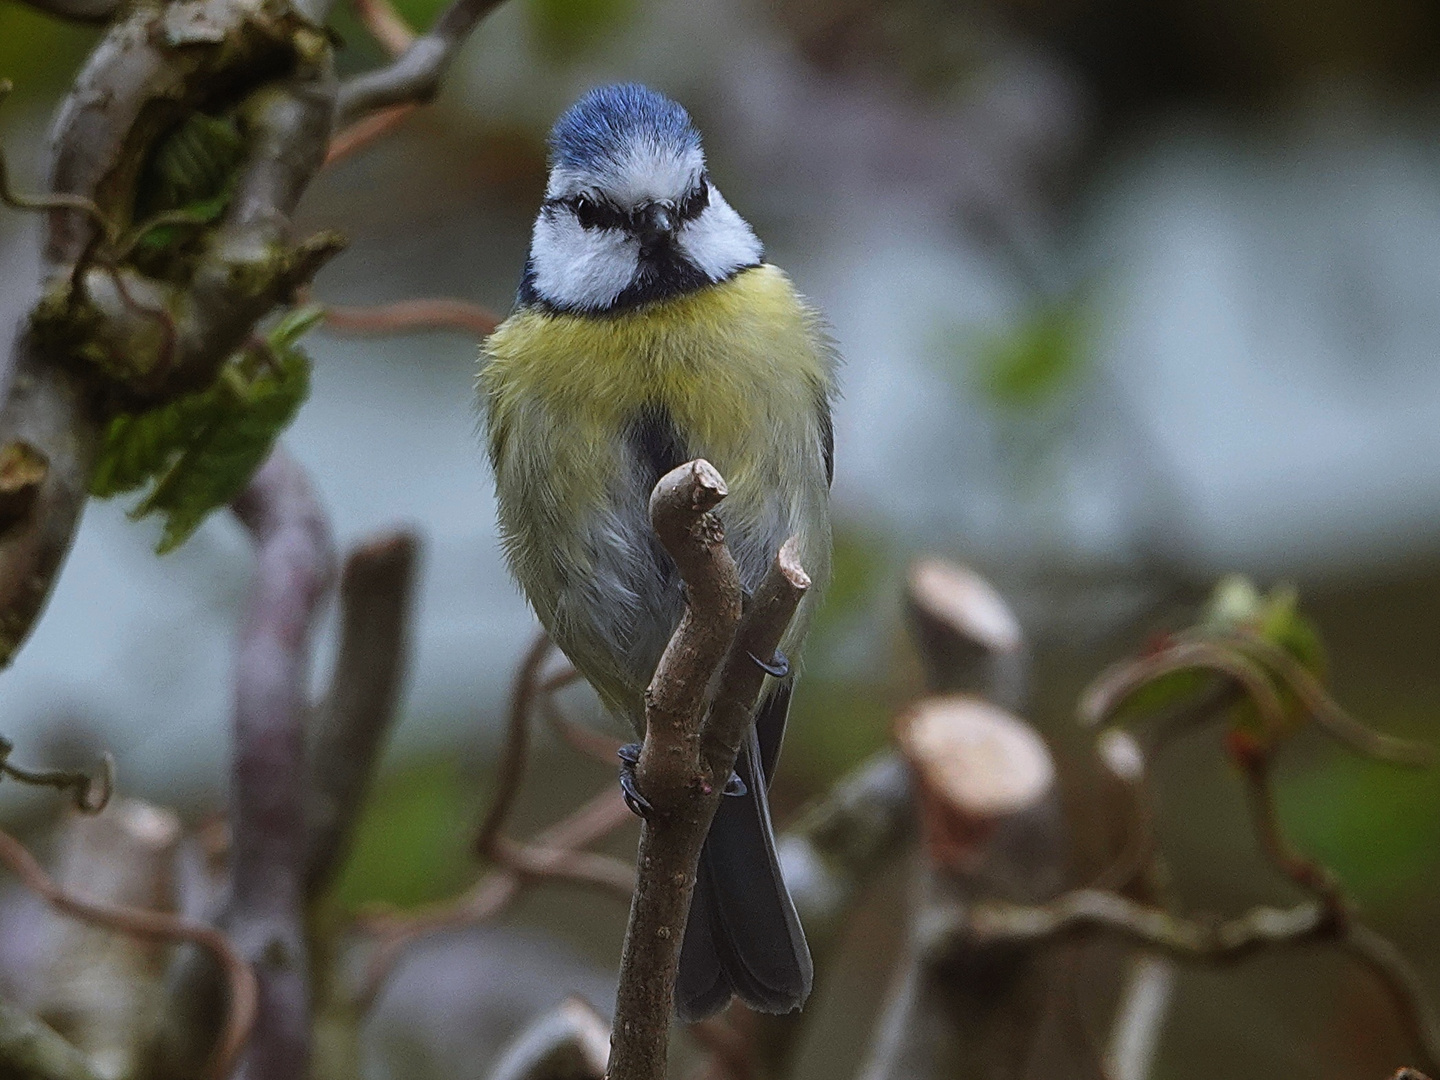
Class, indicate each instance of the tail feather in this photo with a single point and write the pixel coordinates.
(743, 935)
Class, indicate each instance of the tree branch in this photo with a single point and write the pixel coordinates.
(689, 749)
(416, 75)
(265, 912)
(100, 330)
(376, 607)
(549, 849)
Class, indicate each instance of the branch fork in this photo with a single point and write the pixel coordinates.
(692, 737)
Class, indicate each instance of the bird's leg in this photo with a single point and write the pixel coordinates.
(629, 755)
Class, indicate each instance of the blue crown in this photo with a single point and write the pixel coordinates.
(595, 131)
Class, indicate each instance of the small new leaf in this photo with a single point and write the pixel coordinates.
(201, 450)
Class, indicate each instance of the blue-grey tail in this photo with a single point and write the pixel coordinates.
(743, 936)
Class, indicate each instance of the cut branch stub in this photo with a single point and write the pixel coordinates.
(987, 792)
(969, 639)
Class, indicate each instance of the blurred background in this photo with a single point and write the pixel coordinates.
(1130, 294)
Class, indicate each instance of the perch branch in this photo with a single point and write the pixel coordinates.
(242, 1009)
(689, 750)
(671, 773)
(376, 600)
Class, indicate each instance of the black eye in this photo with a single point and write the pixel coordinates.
(695, 202)
(588, 212)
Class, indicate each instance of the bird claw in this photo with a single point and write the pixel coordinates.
(629, 755)
(778, 665)
(735, 786)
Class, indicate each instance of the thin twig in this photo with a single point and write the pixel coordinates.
(596, 819)
(531, 862)
(439, 313)
(386, 25)
(1305, 872)
(1333, 719)
(511, 769)
(1090, 910)
(90, 791)
(353, 138)
(158, 926)
(583, 740)
(1116, 684)
(1402, 984)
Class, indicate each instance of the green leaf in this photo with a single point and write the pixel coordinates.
(201, 450)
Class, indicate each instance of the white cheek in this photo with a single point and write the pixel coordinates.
(719, 241)
(577, 267)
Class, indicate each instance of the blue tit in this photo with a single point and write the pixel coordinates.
(649, 331)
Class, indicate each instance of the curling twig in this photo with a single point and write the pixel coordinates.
(91, 791)
(1326, 711)
(1115, 685)
(598, 818)
(157, 926)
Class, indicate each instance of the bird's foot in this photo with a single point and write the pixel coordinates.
(735, 786)
(778, 665)
(629, 755)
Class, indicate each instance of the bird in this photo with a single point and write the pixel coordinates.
(648, 331)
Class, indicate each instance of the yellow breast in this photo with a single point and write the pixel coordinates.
(710, 358)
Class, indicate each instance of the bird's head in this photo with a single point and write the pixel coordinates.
(630, 214)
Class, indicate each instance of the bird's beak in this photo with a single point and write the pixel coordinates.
(657, 226)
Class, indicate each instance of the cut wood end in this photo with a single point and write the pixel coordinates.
(966, 602)
(694, 487)
(592, 1033)
(378, 557)
(788, 560)
(978, 759)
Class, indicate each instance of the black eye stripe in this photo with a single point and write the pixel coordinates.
(694, 204)
(598, 213)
